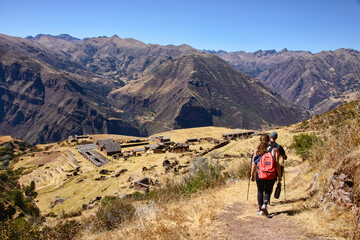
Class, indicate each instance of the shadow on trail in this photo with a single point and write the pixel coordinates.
(303, 199)
(288, 212)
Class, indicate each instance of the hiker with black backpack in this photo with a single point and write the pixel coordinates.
(274, 144)
(266, 161)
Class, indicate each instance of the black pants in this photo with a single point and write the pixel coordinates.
(265, 188)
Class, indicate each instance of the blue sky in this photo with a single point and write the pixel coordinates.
(230, 25)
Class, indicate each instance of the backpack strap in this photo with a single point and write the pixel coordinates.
(271, 150)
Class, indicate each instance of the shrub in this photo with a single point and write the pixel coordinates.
(108, 200)
(19, 229)
(242, 169)
(303, 144)
(3, 177)
(170, 190)
(112, 213)
(29, 191)
(64, 230)
(193, 183)
(17, 198)
(70, 214)
(204, 174)
(32, 209)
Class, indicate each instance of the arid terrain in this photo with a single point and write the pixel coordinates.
(142, 141)
(217, 213)
(55, 86)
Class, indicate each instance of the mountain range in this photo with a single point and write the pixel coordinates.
(55, 86)
(317, 82)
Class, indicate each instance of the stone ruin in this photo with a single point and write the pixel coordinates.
(173, 164)
(144, 184)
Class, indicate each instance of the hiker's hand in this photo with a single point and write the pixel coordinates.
(252, 178)
(279, 179)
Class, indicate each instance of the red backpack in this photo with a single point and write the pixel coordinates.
(266, 167)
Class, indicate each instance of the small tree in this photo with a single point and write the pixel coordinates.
(17, 198)
(30, 191)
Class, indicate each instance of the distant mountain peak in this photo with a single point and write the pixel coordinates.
(115, 37)
(261, 53)
(67, 37)
(218, 52)
(63, 36)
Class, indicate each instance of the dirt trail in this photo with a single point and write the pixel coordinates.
(239, 220)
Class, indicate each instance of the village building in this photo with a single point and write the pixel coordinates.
(161, 139)
(88, 152)
(192, 140)
(134, 143)
(158, 139)
(112, 148)
(101, 143)
(180, 148)
(168, 143)
(71, 138)
(232, 136)
(109, 147)
(157, 150)
(161, 148)
(75, 138)
(211, 140)
(82, 136)
(150, 147)
(167, 139)
(137, 152)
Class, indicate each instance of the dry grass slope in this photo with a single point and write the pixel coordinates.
(322, 190)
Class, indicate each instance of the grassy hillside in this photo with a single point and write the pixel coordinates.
(334, 169)
(322, 185)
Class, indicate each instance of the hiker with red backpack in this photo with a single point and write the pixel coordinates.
(266, 161)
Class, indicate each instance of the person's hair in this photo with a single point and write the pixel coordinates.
(264, 143)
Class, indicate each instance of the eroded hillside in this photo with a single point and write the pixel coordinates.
(203, 90)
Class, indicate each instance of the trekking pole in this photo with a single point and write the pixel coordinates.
(247, 197)
(284, 180)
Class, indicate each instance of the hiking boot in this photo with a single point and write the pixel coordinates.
(264, 210)
(260, 213)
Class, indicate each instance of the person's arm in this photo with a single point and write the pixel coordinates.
(253, 167)
(277, 164)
